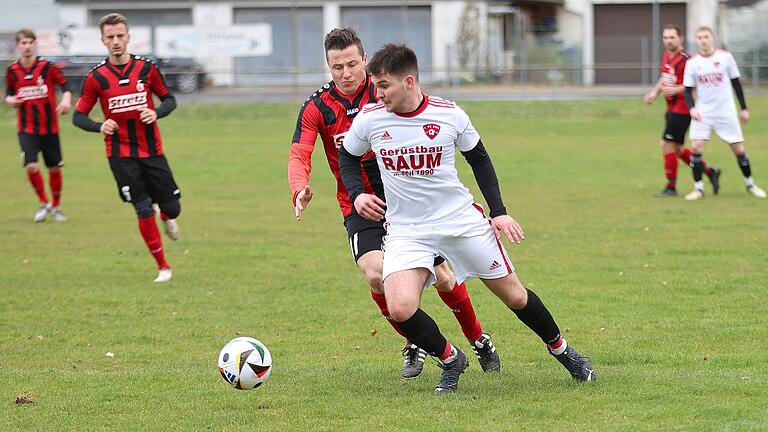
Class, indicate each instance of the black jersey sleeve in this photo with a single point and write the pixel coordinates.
(486, 178)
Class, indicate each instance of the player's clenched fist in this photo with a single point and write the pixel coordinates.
(370, 206)
(109, 127)
(507, 225)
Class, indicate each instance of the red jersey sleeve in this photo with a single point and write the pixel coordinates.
(58, 78)
(300, 155)
(10, 83)
(90, 95)
(157, 82)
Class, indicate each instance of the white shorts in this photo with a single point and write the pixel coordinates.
(468, 243)
(727, 128)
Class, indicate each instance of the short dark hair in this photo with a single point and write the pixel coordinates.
(25, 33)
(674, 27)
(341, 38)
(395, 59)
(112, 19)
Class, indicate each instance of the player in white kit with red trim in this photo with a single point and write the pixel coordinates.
(713, 72)
(415, 138)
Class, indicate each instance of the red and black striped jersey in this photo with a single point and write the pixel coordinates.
(36, 86)
(672, 70)
(329, 113)
(124, 91)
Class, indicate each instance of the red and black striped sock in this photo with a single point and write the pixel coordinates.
(151, 235)
(37, 183)
(461, 305)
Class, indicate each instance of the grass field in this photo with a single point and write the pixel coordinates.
(668, 298)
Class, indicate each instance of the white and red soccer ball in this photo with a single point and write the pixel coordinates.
(245, 363)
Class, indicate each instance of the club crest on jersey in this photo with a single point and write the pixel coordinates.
(717, 64)
(140, 86)
(431, 130)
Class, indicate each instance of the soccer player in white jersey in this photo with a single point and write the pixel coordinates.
(713, 72)
(416, 138)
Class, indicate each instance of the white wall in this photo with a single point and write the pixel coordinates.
(14, 16)
(446, 16)
(215, 14)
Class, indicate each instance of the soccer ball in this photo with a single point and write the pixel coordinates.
(245, 363)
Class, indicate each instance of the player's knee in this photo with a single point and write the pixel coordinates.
(171, 209)
(400, 311)
(517, 297)
(32, 167)
(54, 169)
(373, 276)
(143, 208)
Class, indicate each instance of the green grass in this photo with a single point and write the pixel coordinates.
(668, 298)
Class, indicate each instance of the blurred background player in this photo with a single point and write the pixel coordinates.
(329, 112)
(124, 85)
(713, 72)
(415, 138)
(677, 118)
(31, 88)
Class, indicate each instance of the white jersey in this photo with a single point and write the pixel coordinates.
(712, 77)
(416, 154)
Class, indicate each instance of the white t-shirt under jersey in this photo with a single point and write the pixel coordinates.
(416, 153)
(712, 77)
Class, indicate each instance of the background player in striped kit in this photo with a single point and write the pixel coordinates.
(124, 84)
(677, 118)
(31, 88)
(329, 112)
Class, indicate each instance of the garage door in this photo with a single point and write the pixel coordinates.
(624, 41)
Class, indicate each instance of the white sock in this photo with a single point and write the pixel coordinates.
(699, 185)
(749, 182)
(561, 349)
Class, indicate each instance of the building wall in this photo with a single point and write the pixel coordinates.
(429, 26)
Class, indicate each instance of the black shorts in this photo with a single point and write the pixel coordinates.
(141, 178)
(31, 144)
(676, 127)
(367, 235)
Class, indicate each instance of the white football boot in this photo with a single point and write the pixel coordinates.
(756, 191)
(171, 228)
(58, 215)
(164, 275)
(695, 195)
(42, 212)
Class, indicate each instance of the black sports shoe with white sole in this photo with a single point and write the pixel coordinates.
(414, 360)
(577, 365)
(449, 380)
(486, 353)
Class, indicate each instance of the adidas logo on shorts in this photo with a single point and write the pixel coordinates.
(494, 265)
